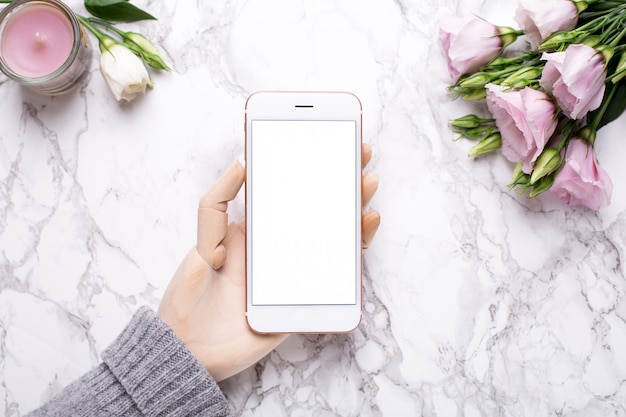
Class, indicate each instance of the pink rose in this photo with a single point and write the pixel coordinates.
(542, 18)
(576, 79)
(581, 181)
(526, 120)
(469, 44)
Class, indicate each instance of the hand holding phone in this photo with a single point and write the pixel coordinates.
(205, 303)
(303, 212)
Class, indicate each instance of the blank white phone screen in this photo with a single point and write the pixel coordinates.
(303, 204)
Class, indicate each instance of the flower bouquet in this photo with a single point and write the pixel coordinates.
(546, 99)
(123, 54)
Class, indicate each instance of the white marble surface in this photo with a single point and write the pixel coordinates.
(478, 302)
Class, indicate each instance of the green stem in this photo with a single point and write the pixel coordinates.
(108, 25)
(97, 32)
(606, 102)
(619, 22)
(605, 24)
(568, 131)
(600, 19)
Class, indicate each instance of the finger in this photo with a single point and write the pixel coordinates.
(366, 155)
(369, 185)
(225, 188)
(369, 225)
(212, 216)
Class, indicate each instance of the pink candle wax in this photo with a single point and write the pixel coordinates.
(37, 40)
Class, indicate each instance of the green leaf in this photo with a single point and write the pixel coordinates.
(600, 6)
(116, 11)
(616, 107)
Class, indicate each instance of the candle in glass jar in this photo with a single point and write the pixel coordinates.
(37, 40)
(42, 45)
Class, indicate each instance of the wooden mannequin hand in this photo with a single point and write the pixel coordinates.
(205, 302)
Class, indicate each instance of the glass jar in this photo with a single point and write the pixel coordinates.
(43, 46)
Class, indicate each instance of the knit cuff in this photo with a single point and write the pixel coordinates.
(159, 373)
(97, 393)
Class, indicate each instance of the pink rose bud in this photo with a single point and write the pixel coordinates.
(581, 181)
(541, 18)
(468, 44)
(526, 120)
(576, 79)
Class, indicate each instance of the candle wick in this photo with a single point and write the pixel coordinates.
(40, 38)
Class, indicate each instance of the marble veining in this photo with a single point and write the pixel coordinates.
(477, 300)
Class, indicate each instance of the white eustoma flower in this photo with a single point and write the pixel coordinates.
(125, 73)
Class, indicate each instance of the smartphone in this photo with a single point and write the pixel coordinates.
(303, 212)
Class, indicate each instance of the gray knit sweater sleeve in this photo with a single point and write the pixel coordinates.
(147, 371)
